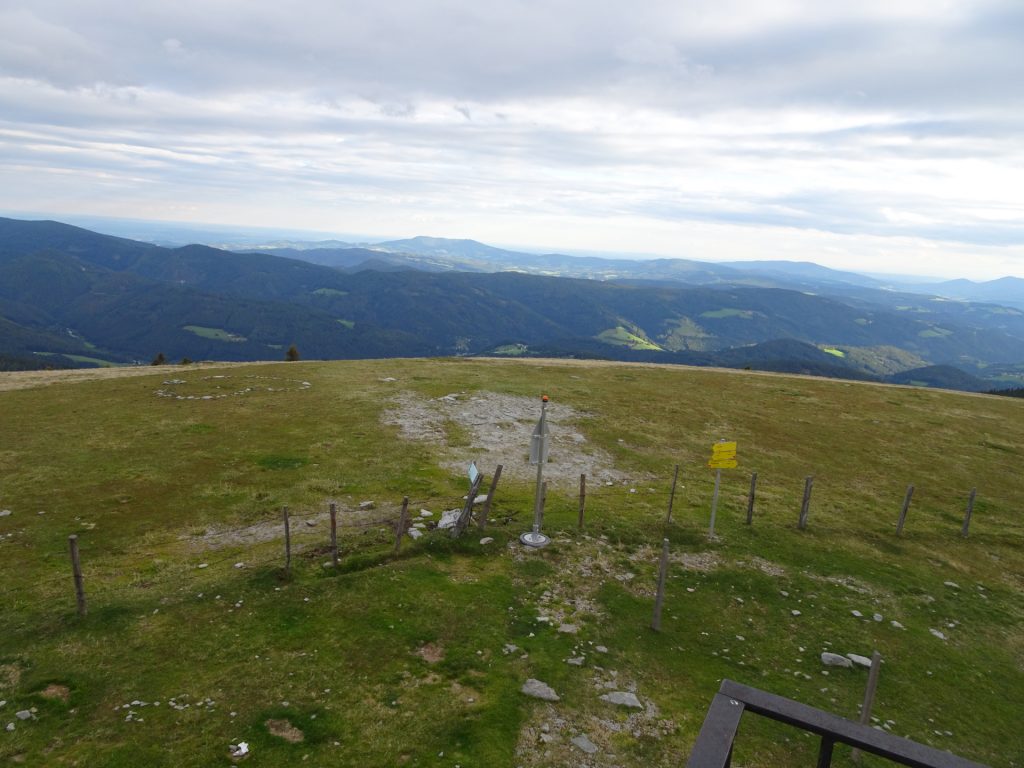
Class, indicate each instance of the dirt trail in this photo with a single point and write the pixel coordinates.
(499, 428)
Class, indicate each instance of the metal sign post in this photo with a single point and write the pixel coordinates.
(723, 456)
(540, 443)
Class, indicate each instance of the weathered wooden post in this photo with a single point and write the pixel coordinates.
(672, 494)
(659, 598)
(287, 542)
(970, 511)
(462, 522)
(486, 511)
(750, 499)
(805, 507)
(903, 512)
(334, 534)
(869, 697)
(76, 569)
(402, 521)
(583, 501)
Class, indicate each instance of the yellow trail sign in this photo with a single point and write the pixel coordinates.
(723, 456)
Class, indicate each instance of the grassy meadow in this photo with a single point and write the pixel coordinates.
(197, 639)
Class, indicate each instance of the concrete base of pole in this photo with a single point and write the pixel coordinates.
(534, 539)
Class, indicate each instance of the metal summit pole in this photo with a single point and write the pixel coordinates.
(539, 443)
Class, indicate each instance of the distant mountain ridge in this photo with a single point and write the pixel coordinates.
(85, 297)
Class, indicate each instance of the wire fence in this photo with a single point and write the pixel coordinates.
(272, 543)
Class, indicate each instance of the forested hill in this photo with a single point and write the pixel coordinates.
(68, 295)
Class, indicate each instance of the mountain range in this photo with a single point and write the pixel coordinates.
(70, 296)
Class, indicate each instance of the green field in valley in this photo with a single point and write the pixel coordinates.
(197, 639)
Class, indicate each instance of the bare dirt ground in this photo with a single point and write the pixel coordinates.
(31, 379)
(499, 428)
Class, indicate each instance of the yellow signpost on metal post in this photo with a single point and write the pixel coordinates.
(723, 456)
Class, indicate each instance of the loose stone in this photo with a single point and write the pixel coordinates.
(585, 744)
(835, 660)
(539, 690)
(623, 699)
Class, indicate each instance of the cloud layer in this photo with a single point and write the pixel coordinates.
(877, 136)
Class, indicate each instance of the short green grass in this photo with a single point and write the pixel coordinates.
(155, 487)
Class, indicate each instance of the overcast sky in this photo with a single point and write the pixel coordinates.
(879, 135)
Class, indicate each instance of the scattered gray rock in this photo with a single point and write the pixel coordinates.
(877, 617)
(795, 612)
(5, 513)
(863, 661)
(486, 540)
(311, 523)
(389, 378)
(538, 690)
(449, 518)
(23, 714)
(10, 727)
(897, 624)
(623, 699)
(938, 634)
(576, 661)
(568, 629)
(835, 660)
(510, 648)
(601, 649)
(585, 744)
(426, 513)
(952, 584)
(366, 505)
(414, 533)
(856, 614)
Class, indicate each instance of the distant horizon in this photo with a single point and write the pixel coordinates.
(232, 234)
(875, 137)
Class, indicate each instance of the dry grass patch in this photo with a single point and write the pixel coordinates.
(56, 692)
(285, 730)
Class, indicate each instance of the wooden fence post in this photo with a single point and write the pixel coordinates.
(805, 507)
(486, 511)
(287, 542)
(334, 534)
(672, 494)
(462, 522)
(76, 569)
(970, 511)
(403, 519)
(659, 598)
(903, 512)
(750, 499)
(869, 697)
(583, 500)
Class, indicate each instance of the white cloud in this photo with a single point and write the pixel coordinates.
(833, 132)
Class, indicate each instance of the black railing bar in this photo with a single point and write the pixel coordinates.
(842, 730)
(825, 752)
(713, 748)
